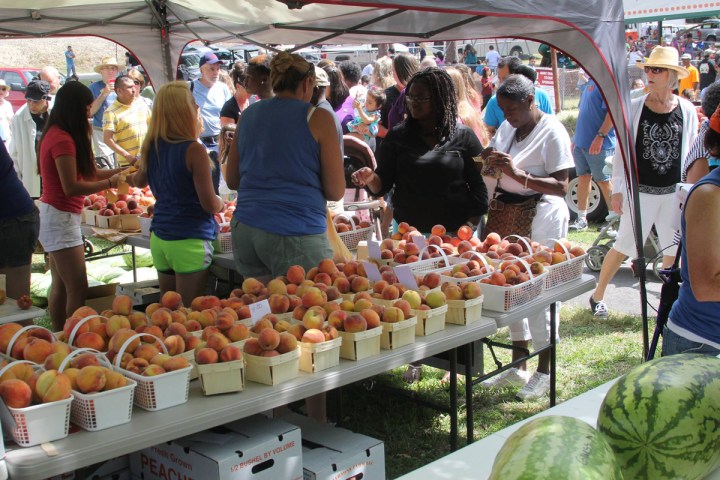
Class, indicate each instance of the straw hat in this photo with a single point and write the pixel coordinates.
(3, 85)
(108, 62)
(665, 57)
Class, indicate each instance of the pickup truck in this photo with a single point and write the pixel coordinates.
(18, 79)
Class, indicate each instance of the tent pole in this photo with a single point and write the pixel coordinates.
(556, 80)
(639, 262)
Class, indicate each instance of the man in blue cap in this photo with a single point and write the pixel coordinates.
(211, 95)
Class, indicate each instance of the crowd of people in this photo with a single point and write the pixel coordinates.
(447, 140)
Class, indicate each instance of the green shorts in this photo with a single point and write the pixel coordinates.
(189, 255)
(258, 253)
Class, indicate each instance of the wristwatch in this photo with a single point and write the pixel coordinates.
(601, 135)
(471, 224)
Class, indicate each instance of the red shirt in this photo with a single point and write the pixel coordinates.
(57, 143)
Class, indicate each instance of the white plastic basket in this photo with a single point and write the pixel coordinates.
(16, 336)
(355, 235)
(145, 224)
(429, 264)
(508, 298)
(101, 410)
(76, 328)
(38, 424)
(223, 242)
(159, 391)
(566, 271)
(445, 275)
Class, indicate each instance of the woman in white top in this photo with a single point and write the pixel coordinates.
(6, 112)
(532, 150)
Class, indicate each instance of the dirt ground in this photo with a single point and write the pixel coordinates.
(51, 51)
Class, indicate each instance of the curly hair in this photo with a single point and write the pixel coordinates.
(443, 99)
(288, 70)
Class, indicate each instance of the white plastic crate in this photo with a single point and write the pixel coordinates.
(355, 235)
(159, 391)
(508, 298)
(101, 410)
(566, 271)
(223, 242)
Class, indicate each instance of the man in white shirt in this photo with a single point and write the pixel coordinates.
(492, 58)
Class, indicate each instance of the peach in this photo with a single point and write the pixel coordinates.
(6, 333)
(19, 346)
(205, 302)
(342, 284)
(336, 318)
(330, 333)
(577, 251)
(314, 317)
(252, 347)
(313, 296)
(147, 351)
(347, 305)
(152, 370)
(99, 329)
(91, 379)
(297, 330)
(160, 359)
(137, 365)
(262, 324)
(191, 342)
(16, 393)
(393, 315)
(70, 325)
(151, 308)
(403, 305)
(52, 386)
(176, 329)
(91, 340)
(19, 371)
(46, 334)
(193, 326)
(277, 286)
(175, 363)
(330, 307)
(362, 304)
(162, 317)
(72, 374)
(120, 337)
(122, 305)
(269, 339)
(179, 316)
(224, 321)
(359, 284)
(313, 335)
(295, 274)
(282, 325)
(471, 290)
(231, 353)
(207, 331)
(288, 342)
(149, 330)
(252, 286)
(205, 355)
(115, 323)
(431, 280)
(114, 380)
(171, 300)
(435, 299)
(279, 303)
(270, 353)
(230, 311)
(355, 323)
(453, 292)
(217, 341)
(237, 332)
(53, 361)
(332, 293)
(207, 317)
(84, 311)
(372, 318)
(390, 292)
(37, 350)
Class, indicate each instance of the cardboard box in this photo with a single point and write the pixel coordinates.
(100, 297)
(254, 448)
(142, 293)
(331, 453)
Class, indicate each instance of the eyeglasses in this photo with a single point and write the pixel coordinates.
(414, 100)
(655, 70)
(136, 82)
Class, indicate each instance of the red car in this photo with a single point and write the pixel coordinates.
(17, 79)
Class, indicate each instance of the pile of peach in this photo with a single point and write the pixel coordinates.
(271, 341)
(461, 291)
(344, 224)
(126, 204)
(470, 268)
(401, 249)
(22, 386)
(225, 215)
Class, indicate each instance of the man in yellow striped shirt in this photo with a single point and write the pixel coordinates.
(125, 122)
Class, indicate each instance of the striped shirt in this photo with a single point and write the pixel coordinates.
(129, 125)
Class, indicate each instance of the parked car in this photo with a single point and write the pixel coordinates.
(597, 209)
(18, 79)
(189, 66)
(708, 31)
(362, 54)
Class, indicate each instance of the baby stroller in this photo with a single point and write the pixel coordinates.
(606, 239)
(356, 200)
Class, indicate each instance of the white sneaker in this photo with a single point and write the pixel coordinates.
(536, 387)
(509, 378)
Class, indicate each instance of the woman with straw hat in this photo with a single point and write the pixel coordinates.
(664, 126)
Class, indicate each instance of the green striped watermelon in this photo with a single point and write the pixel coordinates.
(555, 448)
(662, 419)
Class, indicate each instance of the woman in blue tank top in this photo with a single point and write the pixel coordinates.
(178, 169)
(694, 323)
(285, 164)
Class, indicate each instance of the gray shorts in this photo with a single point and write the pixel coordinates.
(17, 243)
(258, 253)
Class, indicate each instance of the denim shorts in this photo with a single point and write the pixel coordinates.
(18, 239)
(59, 229)
(586, 164)
(259, 253)
(674, 344)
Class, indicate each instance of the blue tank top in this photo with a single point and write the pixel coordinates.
(178, 213)
(700, 318)
(280, 188)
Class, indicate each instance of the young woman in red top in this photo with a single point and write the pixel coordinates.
(68, 173)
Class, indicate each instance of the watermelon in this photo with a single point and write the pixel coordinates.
(555, 448)
(662, 419)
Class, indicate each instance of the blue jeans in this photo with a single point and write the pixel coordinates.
(674, 344)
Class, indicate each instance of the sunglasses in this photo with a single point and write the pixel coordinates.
(655, 70)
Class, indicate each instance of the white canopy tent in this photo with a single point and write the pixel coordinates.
(156, 31)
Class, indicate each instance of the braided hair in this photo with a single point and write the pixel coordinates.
(442, 97)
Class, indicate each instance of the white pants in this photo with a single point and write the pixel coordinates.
(100, 148)
(654, 209)
(551, 221)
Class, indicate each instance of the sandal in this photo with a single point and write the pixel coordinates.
(412, 374)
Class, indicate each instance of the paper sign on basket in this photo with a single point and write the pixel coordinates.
(406, 277)
(372, 271)
(419, 240)
(373, 249)
(259, 310)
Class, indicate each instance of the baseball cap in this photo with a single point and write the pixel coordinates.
(37, 90)
(321, 78)
(708, 52)
(685, 56)
(209, 58)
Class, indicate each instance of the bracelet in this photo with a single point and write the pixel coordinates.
(527, 177)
